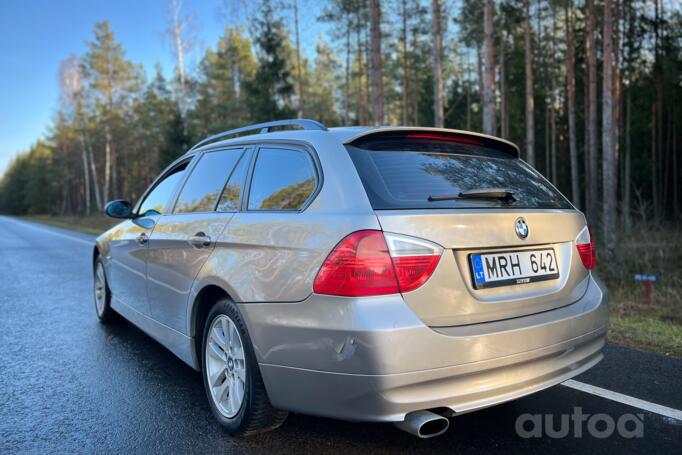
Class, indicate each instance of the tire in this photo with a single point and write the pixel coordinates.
(102, 294)
(235, 375)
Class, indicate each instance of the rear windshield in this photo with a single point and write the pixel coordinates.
(402, 175)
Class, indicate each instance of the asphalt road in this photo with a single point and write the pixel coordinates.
(71, 385)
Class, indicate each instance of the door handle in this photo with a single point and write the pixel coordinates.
(142, 239)
(200, 240)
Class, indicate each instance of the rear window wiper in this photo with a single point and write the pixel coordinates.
(501, 194)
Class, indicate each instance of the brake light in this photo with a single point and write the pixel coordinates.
(586, 249)
(444, 137)
(375, 263)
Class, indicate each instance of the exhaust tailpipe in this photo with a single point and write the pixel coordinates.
(424, 424)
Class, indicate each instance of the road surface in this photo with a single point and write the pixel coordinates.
(71, 385)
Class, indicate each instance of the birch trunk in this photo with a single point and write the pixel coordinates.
(86, 175)
(93, 172)
(178, 42)
(107, 161)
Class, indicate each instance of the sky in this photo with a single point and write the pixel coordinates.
(35, 36)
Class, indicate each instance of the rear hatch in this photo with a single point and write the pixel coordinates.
(508, 234)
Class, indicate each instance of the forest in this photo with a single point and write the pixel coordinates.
(591, 91)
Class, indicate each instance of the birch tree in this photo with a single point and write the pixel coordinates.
(181, 39)
(111, 80)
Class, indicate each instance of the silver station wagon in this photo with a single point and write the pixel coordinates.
(375, 274)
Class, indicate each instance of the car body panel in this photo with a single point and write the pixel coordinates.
(173, 262)
(449, 297)
(383, 362)
(126, 262)
(178, 343)
(445, 344)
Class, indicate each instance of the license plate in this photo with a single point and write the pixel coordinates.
(513, 267)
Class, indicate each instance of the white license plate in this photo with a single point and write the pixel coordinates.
(513, 267)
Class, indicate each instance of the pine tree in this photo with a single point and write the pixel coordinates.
(111, 79)
(271, 89)
(320, 96)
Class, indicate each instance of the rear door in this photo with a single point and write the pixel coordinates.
(522, 252)
(183, 239)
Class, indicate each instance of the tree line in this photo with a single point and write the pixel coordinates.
(590, 90)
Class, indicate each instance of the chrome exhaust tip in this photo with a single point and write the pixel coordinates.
(424, 424)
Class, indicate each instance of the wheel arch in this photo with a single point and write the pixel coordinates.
(201, 306)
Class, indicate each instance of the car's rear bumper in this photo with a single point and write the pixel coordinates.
(373, 360)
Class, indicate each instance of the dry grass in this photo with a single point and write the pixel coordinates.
(656, 326)
(95, 224)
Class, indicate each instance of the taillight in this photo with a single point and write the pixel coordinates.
(414, 259)
(373, 263)
(585, 245)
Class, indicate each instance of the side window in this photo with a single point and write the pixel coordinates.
(156, 200)
(282, 180)
(229, 201)
(205, 183)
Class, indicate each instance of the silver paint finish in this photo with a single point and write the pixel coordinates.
(382, 335)
(449, 298)
(386, 374)
(445, 344)
(127, 262)
(174, 259)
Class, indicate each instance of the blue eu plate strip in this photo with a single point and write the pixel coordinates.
(479, 276)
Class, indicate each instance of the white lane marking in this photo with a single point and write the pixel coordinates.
(625, 399)
(49, 231)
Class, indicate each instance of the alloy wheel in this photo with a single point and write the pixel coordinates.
(225, 366)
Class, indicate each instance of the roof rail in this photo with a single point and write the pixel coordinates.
(305, 124)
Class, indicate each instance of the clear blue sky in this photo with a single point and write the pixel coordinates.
(35, 36)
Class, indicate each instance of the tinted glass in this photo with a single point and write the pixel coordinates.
(156, 200)
(229, 201)
(282, 180)
(406, 179)
(206, 182)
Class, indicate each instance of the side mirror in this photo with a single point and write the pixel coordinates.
(119, 209)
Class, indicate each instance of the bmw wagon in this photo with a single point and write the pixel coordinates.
(375, 274)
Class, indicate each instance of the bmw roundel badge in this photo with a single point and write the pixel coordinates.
(521, 228)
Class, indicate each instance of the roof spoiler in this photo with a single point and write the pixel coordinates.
(417, 133)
